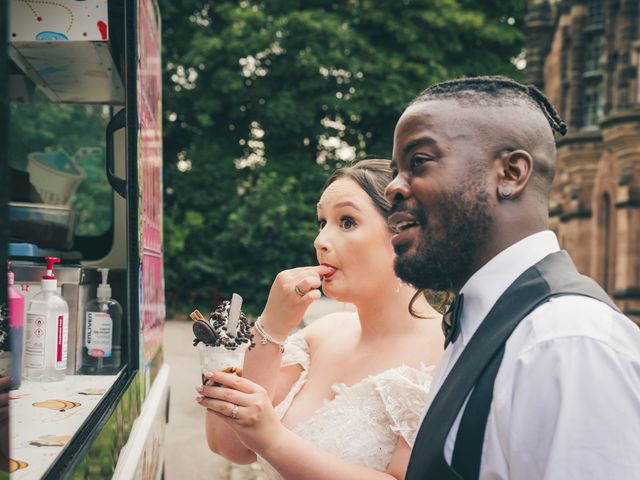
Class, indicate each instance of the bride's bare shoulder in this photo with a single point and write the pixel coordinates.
(330, 325)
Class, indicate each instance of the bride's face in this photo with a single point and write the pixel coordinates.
(354, 238)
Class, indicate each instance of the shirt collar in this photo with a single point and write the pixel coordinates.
(485, 286)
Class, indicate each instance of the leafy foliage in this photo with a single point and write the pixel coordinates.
(300, 85)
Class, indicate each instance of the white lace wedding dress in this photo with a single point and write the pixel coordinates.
(363, 422)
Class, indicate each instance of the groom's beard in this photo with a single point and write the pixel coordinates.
(444, 256)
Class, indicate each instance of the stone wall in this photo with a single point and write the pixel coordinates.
(585, 56)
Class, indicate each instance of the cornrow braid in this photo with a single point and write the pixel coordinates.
(495, 86)
(548, 109)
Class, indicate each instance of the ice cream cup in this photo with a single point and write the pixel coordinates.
(219, 359)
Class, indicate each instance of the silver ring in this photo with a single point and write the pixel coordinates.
(299, 292)
(234, 412)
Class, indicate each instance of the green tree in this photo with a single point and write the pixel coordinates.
(263, 99)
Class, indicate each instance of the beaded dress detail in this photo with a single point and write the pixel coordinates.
(363, 422)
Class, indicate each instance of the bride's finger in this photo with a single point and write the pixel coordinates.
(316, 270)
(237, 383)
(293, 273)
(218, 406)
(311, 295)
(226, 394)
(308, 283)
(228, 420)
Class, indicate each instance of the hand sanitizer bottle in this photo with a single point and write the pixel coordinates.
(103, 320)
(16, 325)
(46, 332)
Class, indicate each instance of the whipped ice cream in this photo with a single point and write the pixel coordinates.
(220, 348)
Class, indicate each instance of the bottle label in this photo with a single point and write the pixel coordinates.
(61, 342)
(34, 332)
(98, 334)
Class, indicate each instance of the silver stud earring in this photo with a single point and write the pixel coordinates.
(505, 192)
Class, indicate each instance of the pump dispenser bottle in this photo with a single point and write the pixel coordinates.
(103, 320)
(46, 332)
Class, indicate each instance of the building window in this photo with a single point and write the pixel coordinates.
(592, 109)
(593, 51)
(594, 12)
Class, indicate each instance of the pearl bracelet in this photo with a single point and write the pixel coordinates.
(266, 337)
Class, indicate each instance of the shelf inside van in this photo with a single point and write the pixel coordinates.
(65, 50)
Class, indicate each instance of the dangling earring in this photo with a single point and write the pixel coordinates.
(505, 192)
(399, 285)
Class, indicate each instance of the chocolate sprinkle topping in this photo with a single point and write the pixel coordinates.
(213, 331)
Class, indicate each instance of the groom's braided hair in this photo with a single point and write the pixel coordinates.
(492, 89)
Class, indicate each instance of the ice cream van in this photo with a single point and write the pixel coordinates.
(81, 223)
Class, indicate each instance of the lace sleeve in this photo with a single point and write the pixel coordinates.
(404, 394)
(296, 352)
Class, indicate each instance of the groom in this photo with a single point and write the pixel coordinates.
(541, 373)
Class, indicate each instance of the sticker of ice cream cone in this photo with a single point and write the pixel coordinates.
(15, 465)
(51, 441)
(60, 405)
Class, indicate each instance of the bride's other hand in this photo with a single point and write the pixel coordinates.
(257, 426)
(256, 423)
(291, 294)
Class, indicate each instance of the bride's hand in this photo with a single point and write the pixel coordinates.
(254, 421)
(291, 294)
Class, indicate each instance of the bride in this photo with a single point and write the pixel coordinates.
(345, 398)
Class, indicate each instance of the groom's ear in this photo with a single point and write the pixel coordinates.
(515, 170)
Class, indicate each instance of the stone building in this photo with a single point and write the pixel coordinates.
(585, 56)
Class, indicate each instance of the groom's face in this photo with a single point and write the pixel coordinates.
(441, 202)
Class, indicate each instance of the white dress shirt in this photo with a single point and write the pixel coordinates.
(566, 400)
